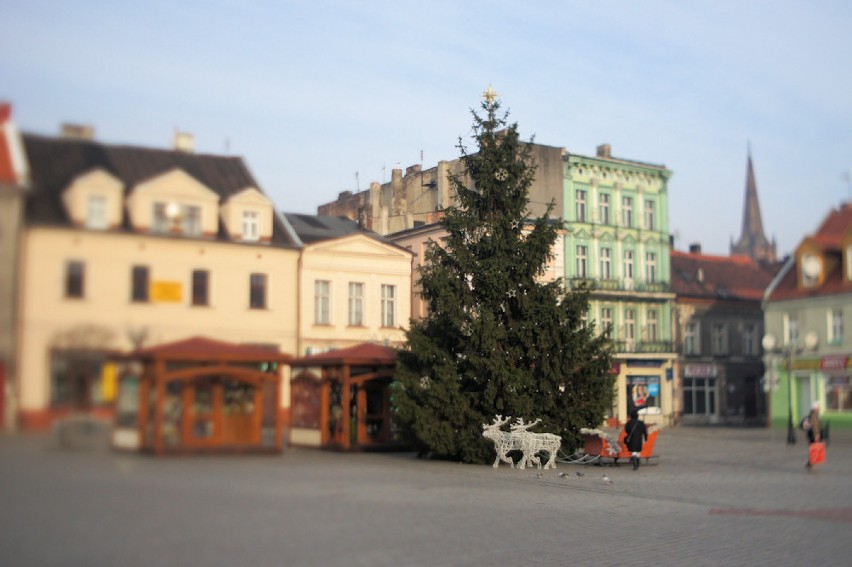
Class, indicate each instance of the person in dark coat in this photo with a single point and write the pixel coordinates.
(635, 436)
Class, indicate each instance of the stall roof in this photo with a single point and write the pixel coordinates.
(203, 348)
(365, 353)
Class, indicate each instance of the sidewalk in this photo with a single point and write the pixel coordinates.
(715, 497)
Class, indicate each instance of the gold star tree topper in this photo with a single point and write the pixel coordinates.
(489, 94)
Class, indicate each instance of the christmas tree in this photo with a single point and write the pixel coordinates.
(497, 338)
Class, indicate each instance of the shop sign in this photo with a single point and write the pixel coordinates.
(831, 362)
(166, 292)
(696, 370)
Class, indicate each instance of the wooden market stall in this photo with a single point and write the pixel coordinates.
(200, 394)
(348, 406)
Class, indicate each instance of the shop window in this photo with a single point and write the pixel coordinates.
(839, 394)
(643, 394)
(699, 396)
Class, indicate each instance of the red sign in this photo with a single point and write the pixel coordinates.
(833, 362)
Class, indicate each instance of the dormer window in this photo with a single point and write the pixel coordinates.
(96, 212)
(251, 225)
(159, 218)
(811, 270)
(191, 220)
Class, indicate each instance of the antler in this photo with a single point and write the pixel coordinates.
(519, 424)
(498, 421)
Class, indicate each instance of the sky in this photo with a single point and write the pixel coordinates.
(321, 97)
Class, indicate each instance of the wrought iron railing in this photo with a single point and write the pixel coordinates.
(618, 285)
(643, 346)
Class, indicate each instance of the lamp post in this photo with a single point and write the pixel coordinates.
(790, 350)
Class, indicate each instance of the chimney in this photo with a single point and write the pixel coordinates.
(695, 248)
(396, 176)
(605, 151)
(77, 131)
(184, 142)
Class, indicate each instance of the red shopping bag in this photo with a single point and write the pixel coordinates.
(817, 453)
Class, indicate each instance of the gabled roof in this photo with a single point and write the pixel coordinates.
(56, 162)
(718, 277)
(828, 236)
(364, 354)
(830, 232)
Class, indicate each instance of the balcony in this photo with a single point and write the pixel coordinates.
(648, 347)
(619, 285)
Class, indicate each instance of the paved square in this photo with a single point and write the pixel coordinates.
(716, 497)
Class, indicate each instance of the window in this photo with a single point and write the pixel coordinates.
(603, 208)
(651, 267)
(322, 302)
(749, 339)
(719, 338)
(356, 304)
(699, 396)
(159, 219)
(581, 206)
(627, 211)
(691, 339)
(192, 220)
(606, 263)
(96, 213)
(200, 287)
(139, 285)
(791, 329)
(75, 279)
(630, 326)
(582, 261)
(251, 224)
(835, 325)
(649, 215)
(257, 293)
(651, 327)
(388, 305)
(606, 320)
(628, 265)
(839, 393)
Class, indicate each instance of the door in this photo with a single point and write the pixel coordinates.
(805, 398)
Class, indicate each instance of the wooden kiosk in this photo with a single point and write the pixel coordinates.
(348, 405)
(201, 395)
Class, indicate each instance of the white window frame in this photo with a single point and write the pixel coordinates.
(603, 208)
(606, 318)
(628, 265)
(606, 263)
(160, 222)
(835, 325)
(651, 267)
(692, 338)
(719, 338)
(650, 215)
(322, 302)
(96, 212)
(191, 220)
(627, 212)
(388, 305)
(652, 326)
(251, 226)
(356, 304)
(580, 196)
(630, 327)
(582, 260)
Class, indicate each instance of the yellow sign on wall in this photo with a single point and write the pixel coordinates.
(109, 381)
(166, 292)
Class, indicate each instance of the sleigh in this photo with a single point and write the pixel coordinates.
(600, 447)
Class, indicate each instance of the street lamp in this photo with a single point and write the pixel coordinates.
(790, 350)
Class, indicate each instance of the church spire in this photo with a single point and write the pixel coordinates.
(752, 241)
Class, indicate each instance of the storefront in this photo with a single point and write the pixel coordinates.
(646, 385)
(825, 379)
(200, 395)
(340, 399)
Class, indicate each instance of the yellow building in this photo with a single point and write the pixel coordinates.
(127, 247)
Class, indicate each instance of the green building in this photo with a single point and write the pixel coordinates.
(617, 243)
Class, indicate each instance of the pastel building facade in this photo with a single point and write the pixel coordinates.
(125, 248)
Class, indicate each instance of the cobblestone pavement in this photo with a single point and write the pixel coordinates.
(714, 497)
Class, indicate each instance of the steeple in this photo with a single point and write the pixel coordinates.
(753, 242)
